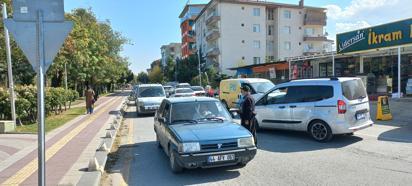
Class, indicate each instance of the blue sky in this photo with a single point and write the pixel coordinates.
(150, 24)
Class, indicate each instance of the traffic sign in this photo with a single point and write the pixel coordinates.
(26, 10)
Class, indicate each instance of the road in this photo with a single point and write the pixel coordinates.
(283, 158)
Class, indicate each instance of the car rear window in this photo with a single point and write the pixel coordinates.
(185, 90)
(308, 93)
(354, 89)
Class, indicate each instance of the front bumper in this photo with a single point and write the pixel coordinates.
(200, 160)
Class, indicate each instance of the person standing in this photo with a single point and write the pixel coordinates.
(247, 111)
(89, 93)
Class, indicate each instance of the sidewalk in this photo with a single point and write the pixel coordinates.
(64, 147)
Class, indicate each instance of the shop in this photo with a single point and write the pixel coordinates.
(277, 72)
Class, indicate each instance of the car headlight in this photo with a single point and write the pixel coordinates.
(245, 142)
(189, 147)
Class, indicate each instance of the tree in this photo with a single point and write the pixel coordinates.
(142, 77)
(156, 75)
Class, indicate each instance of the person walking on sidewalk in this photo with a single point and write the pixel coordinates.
(247, 111)
(89, 93)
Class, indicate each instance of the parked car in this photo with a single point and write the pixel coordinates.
(183, 85)
(183, 92)
(198, 132)
(168, 90)
(321, 107)
(230, 89)
(199, 91)
(149, 97)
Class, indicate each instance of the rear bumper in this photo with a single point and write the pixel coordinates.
(143, 110)
(200, 160)
(345, 128)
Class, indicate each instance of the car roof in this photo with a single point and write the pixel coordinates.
(319, 81)
(197, 87)
(184, 84)
(190, 99)
(150, 85)
(249, 80)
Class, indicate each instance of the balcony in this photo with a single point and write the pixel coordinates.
(212, 18)
(315, 38)
(315, 18)
(212, 35)
(213, 51)
(313, 51)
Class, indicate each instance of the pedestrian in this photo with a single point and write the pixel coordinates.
(247, 111)
(90, 100)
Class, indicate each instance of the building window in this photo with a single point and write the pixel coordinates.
(309, 31)
(287, 30)
(256, 28)
(287, 45)
(243, 41)
(308, 47)
(242, 24)
(270, 45)
(271, 28)
(256, 44)
(256, 11)
(271, 15)
(256, 60)
(287, 14)
(243, 57)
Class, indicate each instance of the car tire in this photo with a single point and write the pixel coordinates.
(174, 166)
(320, 131)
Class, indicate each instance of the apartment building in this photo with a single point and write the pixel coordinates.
(171, 51)
(232, 33)
(187, 20)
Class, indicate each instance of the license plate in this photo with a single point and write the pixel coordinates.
(219, 158)
(360, 116)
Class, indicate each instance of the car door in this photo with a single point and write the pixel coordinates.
(158, 115)
(272, 110)
(301, 101)
(164, 125)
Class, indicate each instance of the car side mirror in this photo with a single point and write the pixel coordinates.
(235, 113)
(162, 120)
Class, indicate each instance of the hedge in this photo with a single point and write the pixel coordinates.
(57, 100)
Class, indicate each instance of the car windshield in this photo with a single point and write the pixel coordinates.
(262, 87)
(197, 89)
(184, 90)
(145, 92)
(203, 111)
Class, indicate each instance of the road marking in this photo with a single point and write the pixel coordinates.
(20, 176)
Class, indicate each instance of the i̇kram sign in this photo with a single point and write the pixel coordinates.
(382, 36)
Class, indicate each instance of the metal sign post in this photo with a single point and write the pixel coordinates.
(40, 30)
(10, 68)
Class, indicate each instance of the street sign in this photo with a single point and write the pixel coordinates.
(39, 28)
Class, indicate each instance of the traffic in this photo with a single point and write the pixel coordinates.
(197, 129)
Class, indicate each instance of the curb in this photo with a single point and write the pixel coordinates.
(97, 163)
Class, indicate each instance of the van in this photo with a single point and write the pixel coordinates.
(320, 107)
(230, 89)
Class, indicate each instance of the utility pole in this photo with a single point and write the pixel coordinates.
(10, 68)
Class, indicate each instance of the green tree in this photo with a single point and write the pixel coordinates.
(143, 77)
(156, 75)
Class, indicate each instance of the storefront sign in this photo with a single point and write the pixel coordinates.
(383, 112)
(382, 36)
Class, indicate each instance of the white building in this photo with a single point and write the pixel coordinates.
(171, 51)
(232, 33)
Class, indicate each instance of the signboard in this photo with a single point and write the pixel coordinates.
(383, 112)
(382, 36)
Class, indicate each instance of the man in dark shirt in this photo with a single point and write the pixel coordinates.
(247, 111)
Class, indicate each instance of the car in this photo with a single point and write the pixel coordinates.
(168, 89)
(322, 107)
(183, 85)
(149, 97)
(230, 90)
(183, 92)
(198, 132)
(199, 91)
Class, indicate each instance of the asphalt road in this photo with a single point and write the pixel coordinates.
(283, 158)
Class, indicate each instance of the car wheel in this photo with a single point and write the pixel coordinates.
(320, 131)
(176, 168)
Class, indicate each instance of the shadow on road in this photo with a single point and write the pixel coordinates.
(292, 141)
(402, 134)
(151, 167)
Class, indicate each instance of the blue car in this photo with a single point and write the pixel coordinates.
(198, 132)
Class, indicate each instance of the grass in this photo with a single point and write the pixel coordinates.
(53, 121)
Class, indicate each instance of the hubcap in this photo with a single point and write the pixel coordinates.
(319, 131)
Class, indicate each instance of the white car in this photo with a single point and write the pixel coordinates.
(183, 85)
(149, 97)
(183, 92)
(199, 91)
(321, 107)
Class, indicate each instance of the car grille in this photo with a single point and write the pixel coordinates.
(216, 146)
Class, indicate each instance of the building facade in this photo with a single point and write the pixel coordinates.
(170, 51)
(232, 33)
(187, 20)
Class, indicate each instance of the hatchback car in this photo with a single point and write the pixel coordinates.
(322, 107)
(199, 91)
(198, 132)
(149, 97)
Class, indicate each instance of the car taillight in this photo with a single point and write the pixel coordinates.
(341, 107)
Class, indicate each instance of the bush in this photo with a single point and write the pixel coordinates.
(56, 100)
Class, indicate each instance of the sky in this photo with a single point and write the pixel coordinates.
(149, 24)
